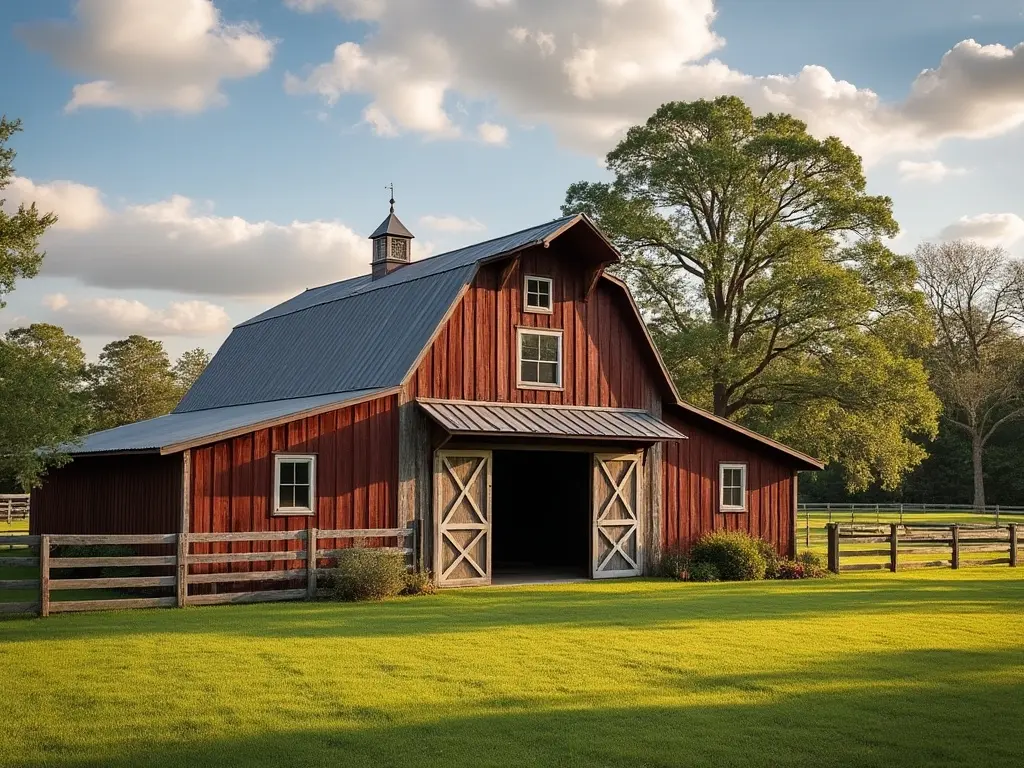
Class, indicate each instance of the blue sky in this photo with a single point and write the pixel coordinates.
(210, 157)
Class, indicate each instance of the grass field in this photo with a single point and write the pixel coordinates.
(916, 669)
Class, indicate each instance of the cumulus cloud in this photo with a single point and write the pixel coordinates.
(122, 317)
(173, 245)
(147, 56)
(989, 229)
(451, 224)
(931, 171)
(591, 69)
(492, 133)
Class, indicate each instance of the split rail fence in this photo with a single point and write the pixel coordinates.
(13, 506)
(896, 547)
(176, 571)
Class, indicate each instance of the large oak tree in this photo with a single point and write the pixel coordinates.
(757, 256)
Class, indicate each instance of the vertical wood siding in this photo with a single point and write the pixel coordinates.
(123, 493)
(605, 358)
(690, 489)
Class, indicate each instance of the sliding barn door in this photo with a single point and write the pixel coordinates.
(616, 548)
(462, 518)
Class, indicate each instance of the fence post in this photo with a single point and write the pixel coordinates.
(997, 514)
(311, 546)
(10, 510)
(955, 530)
(878, 518)
(893, 546)
(1013, 545)
(807, 529)
(833, 547)
(413, 539)
(44, 575)
(181, 565)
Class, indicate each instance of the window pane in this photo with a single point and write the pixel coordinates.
(548, 348)
(548, 373)
(531, 346)
(528, 371)
(287, 472)
(302, 496)
(302, 473)
(544, 289)
(286, 496)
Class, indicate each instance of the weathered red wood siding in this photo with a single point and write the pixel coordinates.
(690, 488)
(606, 361)
(110, 494)
(356, 478)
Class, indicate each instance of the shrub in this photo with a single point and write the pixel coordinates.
(704, 572)
(367, 574)
(419, 583)
(814, 566)
(673, 563)
(790, 569)
(771, 559)
(736, 555)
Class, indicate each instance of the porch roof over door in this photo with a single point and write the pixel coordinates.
(483, 419)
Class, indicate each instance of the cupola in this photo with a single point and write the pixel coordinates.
(392, 244)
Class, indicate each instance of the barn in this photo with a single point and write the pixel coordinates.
(505, 398)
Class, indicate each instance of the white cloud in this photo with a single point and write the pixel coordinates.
(931, 171)
(492, 133)
(146, 55)
(452, 224)
(591, 69)
(989, 229)
(171, 245)
(122, 317)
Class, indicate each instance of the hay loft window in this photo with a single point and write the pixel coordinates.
(540, 359)
(537, 294)
(732, 487)
(294, 484)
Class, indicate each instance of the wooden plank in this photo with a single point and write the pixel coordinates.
(249, 557)
(181, 571)
(865, 567)
(366, 533)
(28, 607)
(866, 553)
(992, 561)
(119, 582)
(141, 538)
(23, 539)
(111, 562)
(923, 550)
(249, 536)
(905, 566)
(846, 539)
(219, 578)
(19, 561)
(44, 575)
(77, 606)
(328, 553)
(248, 597)
(966, 549)
(19, 583)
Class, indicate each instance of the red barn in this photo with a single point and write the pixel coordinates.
(505, 396)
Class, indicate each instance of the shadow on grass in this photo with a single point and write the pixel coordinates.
(917, 708)
(638, 603)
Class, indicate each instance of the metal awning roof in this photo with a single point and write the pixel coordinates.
(463, 417)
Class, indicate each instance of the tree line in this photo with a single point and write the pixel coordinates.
(765, 271)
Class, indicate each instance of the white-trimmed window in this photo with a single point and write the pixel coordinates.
(540, 358)
(294, 484)
(732, 487)
(537, 294)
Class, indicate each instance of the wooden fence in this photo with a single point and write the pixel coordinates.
(896, 547)
(13, 506)
(175, 570)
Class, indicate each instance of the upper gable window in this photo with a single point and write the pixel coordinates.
(537, 294)
(540, 359)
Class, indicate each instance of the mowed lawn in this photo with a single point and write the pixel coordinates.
(918, 669)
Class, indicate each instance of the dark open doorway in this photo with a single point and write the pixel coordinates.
(540, 515)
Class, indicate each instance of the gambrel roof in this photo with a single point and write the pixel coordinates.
(337, 343)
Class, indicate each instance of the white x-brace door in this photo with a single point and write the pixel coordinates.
(616, 546)
(462, 518)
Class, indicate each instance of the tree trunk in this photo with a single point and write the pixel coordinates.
(977, 451)
(721, 395)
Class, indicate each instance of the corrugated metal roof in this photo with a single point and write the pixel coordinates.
(177, 429)
(357, 334)
(463, 417)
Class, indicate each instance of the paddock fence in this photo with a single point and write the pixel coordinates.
(57, 573)
(13, 506)
(894, 547)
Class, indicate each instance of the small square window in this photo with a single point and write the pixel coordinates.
(540, 359)
(732, 487)
(537, 294)
(294, 484)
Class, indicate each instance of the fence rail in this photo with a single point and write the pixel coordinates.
(217, 575)
(13, 506)
(893, 546)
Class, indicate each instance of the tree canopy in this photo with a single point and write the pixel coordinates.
(757, 257)
(189, 367)
(132, 381)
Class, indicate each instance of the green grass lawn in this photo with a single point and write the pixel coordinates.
(916, 669)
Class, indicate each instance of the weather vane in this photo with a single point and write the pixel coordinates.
(391, 186)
